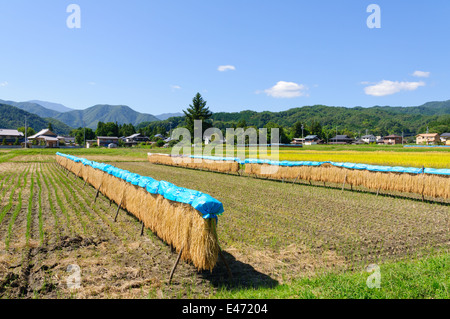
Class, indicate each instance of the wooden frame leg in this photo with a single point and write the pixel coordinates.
(98, 191)
(118, 210)
(175, 265)
(142, 229)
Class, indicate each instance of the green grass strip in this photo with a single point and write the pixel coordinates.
(424, 278)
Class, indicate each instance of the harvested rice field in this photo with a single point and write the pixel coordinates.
(273, 235)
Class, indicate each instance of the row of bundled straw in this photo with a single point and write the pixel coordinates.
(179, 224)
(437, 186)
(187, 162)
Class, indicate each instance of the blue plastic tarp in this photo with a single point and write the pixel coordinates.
(372, 168)
(208, 206)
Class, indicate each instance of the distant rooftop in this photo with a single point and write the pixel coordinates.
(7, 132)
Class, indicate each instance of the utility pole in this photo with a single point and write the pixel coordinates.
(84, 134)
(26, 132)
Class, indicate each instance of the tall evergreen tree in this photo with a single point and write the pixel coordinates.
(197, 111)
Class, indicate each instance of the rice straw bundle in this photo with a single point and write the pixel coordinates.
(426, 184)
(178, 224)
(187, 162)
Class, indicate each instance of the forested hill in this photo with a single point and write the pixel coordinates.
(12, 117)
(90, 117)
(379, 120)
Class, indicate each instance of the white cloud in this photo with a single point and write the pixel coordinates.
(223, 68)
(286, 90)
(175, 87)
(385, 87)
(421, 74)
(3, 84)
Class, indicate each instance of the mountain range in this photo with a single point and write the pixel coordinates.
(12, 117)
(380, 119)
(89, 117)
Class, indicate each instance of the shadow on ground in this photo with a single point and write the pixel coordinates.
(244, 275)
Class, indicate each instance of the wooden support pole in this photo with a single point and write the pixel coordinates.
(143, 227)
(98, 191)
(175, 266)
(423, 187)
(378, 190)
(76, 176)
(345, 179)
(296, 179)
(85, 182)
(118, 210)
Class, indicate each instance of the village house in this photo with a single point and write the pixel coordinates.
(392, 139)
(67, 140)
(369, 139)
(298, 141)
(445, 138)
(312, 140)
(105, 141)
(46, 138)
(341, 139)
(9, 137)
(428, 139)
(135, 139)
(209, 139)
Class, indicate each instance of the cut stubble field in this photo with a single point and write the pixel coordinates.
(272, 233)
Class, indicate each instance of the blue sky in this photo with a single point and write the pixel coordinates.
(249, 54)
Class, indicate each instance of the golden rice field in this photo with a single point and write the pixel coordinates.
(407, 159)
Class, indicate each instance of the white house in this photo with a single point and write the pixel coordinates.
(47, 137)
(208, 139)
(369, 138)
